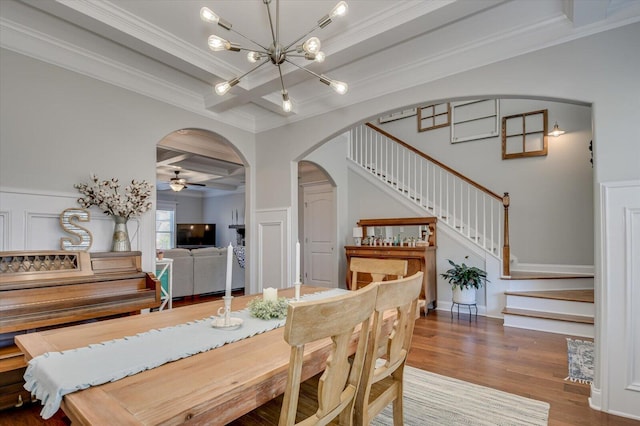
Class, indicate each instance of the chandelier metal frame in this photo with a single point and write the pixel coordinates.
(276, 53)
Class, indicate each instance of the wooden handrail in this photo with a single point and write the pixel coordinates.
(436, 162)
(505, 199)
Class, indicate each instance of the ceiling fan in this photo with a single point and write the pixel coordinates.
(177, 183)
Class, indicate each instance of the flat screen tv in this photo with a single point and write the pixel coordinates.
(190, 235)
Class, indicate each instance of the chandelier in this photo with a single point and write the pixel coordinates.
(277, 53)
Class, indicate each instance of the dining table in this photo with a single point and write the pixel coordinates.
(212, 387)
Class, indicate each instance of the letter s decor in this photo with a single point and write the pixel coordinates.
(82, 239)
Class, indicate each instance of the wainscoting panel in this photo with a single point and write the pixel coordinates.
(31, 221)
(273, 248)
(619, 343)
(4, 230)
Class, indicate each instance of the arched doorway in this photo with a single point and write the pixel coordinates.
(208, 188)
(317, 224)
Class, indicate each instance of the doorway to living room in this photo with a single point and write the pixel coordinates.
(200, 184)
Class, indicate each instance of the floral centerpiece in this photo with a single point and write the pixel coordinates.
(106, 195)
(268, 309)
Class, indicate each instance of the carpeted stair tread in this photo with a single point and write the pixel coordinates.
(548, 315)
(569, 295)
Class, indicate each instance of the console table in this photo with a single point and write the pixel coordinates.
(422, 257)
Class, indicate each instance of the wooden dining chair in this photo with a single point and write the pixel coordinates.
(387, 349)
(378, 268)
(334, 395)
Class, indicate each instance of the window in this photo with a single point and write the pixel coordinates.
(165, 226)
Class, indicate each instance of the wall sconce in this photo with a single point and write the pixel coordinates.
(557, 131)
(357, 236)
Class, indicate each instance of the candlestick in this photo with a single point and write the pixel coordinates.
(225, 311)
(229, 264)
(297, 276)
(270, 294)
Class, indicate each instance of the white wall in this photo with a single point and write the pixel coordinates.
(189, 206)
(551, 212)
(221, 210)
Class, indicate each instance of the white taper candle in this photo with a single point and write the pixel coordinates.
(229, 265)
(297, 277)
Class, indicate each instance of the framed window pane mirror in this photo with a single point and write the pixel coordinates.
(524, 135)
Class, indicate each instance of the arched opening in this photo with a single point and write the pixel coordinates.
(201, 209)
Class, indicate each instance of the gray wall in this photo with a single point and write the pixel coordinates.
(551, 213)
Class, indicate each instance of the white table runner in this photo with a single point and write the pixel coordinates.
(52, 375)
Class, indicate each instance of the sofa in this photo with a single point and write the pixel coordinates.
(202, 270)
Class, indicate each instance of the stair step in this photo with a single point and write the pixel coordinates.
(548, 315)
(568, 295)
(524, 275)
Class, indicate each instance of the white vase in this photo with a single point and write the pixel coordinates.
(465, 296)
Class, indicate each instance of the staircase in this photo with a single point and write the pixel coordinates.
(475, 213)
(555, 303)
(551, 302)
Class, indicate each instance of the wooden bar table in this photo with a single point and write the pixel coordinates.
(209, 388)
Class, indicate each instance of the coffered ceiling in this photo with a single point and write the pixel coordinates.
(159, 48)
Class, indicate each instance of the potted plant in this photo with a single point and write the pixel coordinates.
(464, 280)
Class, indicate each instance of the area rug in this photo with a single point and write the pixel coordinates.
(432, 399)
(580, 360)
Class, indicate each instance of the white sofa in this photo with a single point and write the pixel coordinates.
(202, 270)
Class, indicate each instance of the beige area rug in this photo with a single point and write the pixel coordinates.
(432, 399)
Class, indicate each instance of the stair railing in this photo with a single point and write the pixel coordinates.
(478, 214)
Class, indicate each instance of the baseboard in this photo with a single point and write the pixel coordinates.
(556, 269)
(595, 400)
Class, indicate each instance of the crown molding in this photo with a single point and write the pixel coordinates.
(43, 47)
(133, 26)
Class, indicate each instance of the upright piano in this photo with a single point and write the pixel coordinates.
(47, 289)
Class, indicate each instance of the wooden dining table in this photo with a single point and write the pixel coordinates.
(213, 387)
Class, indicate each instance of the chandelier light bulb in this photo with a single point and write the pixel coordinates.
(320, 57)
(286, 102)
(312, 45)
(253, 57)
(207, 15)
(218, 43)
(222, 88)
(339, 9)
(339, 86)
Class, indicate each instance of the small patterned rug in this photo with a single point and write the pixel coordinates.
(432, 399)
(580, 360)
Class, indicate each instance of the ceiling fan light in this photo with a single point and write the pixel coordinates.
(312, 45)
(176, 186)
(339, 9)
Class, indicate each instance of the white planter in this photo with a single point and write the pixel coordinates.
(466, 296)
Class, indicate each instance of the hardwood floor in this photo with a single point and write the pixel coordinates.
(528, 363)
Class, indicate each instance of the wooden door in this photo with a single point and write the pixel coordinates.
(320, 261)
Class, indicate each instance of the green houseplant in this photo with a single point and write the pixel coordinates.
(464, 280)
